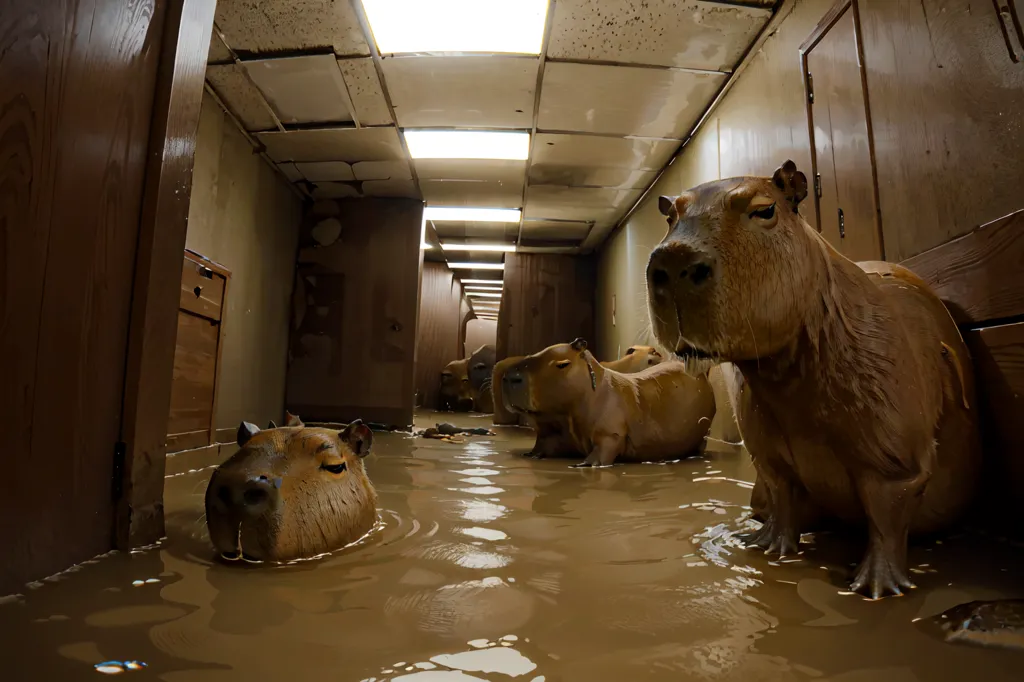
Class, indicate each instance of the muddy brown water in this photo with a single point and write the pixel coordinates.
(490, 566)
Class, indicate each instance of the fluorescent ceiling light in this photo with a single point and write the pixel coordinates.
(508, 26)
(482, 281)
(468, 144)
(482, 294)
(477, 266)
(502, 248)
(480, 288)
(473, 215)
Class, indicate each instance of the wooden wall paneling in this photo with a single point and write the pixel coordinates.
(947, 109)
(440, 321)
(147, 395)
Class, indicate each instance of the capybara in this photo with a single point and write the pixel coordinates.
(291, 493)
(636, 359)
(456, 389)
(657, 414)
(857, 391)
(481, 369)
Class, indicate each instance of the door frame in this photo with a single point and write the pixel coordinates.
(826, 24)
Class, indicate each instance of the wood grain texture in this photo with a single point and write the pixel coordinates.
(202, 290)
(438, 331)
(185, 42)
(979, 275)
(352, 351)
(74, 126)
(195, 373)
(547, 299)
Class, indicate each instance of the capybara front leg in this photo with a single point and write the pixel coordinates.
(780, 532)
(604, 452)
(889, 506)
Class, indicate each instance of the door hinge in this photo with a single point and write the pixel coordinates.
(817, 185)
(120, 453)
(842, 225)
(810, 88)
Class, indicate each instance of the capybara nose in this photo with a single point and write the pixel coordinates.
(678, 267)
(250, 495)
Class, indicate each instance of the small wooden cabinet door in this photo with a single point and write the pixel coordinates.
(191, 423)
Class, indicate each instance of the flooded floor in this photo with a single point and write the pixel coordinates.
(490, 566)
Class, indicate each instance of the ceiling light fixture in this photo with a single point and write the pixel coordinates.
(476, 287)
(468, 144)
(473, 215)
(505, 26)
(476, 266)
(502, 248)
(482, 294)
(482, 281)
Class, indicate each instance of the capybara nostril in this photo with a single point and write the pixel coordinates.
(678, 267)
(700, 273)
(254, 496)
(659, 277)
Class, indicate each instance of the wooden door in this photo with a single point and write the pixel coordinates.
(843, 155)
(192, 422)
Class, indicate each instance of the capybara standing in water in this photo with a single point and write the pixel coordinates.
(291, 493)
(658, 414)
(857, 391)
(456, 389)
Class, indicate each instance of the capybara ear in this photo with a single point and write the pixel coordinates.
(665, 205)
(271, 424)
(579, 345)
(245, 433)
(292, 419)
(792, 182)
(359, 437)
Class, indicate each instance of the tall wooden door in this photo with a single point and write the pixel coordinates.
(77, 84)
(840, 131)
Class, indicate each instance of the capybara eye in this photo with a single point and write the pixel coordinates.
(766, 213)
(465, 381)
(563, 364)
(334, 468)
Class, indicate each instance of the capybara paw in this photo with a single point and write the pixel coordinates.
(585, 464)
(773, 540)
(760, 538)
(879, 577)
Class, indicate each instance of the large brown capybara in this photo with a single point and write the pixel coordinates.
(291, 493)
(636, 359)
(504, 415)
(481, 369)
(456, 389)
(553, 439)
(857, 390)
(658, 414)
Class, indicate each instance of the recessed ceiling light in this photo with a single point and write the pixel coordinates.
(483, 294)
(473, 215)
(482, 281)
(468, 144)
(474, 287)
(476, 266)
(509, 26)
(503, 248)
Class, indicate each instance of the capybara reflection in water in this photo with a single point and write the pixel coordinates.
(857, 392)
(660, 413)
(291, 493)
(636, 359)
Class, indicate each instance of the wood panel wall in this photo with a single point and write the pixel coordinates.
(547, 299)
(439, 331)
(353, 344)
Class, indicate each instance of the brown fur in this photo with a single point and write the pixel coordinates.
(275, 500)
(636, 359)
(456, 389)
(611, 416)
(854, 379)
(504, 415)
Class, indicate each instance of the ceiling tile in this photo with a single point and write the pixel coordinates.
(491, 92)
(685, 33)
(218, 52)
(292, 172)
(366, 92)
(619, 100)
(326, 171)
(504, 170)
(334, 190)
(604, 152)
(554, 230)
(578, 203)
(278, 25)
(391, 188)
(564, 250)
(589, 176)
(479, 193)
(241, 97)
(307, 89)
(333, 144)
(496, 232)
(382, 170)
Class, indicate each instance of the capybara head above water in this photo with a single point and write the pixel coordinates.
(291, 493)
(731, 280)
(551, 381)
(456, 389)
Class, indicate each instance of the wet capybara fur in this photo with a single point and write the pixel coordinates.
(636, 359)
(857, 391)
(291, 492)
(658, 414)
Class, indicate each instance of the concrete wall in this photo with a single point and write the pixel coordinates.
(244, 216)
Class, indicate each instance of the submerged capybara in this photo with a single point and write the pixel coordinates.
(481, 369)
(636, 359)
(657, 414)
(857, 392)
(291, 493)
(456, 389)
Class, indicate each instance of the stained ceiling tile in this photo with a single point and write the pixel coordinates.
(240, 96)
(490, 92)
(578, 203)
(289, 25)
(589, 176)
(477, 193)
(391, 188)
(326, 171)
(366, 92)
(333, 144)
(307, 89)
(382, 170)
(555, 230)
(498, 170)
(682, 33)
(619, 100)
(603, 152)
